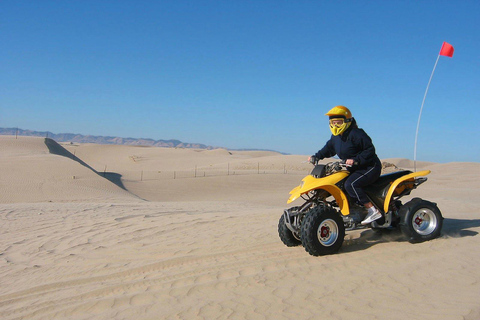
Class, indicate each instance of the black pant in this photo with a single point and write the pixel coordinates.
(361, 178)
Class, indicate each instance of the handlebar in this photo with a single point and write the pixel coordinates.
(341, 163)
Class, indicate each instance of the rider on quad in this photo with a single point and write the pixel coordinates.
(355, 147)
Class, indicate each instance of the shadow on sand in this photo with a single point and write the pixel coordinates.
(116, 178)
(456, 228)
(55, 148)
(452, 228)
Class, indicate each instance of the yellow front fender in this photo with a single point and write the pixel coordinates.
(310, 183)
(395, 184)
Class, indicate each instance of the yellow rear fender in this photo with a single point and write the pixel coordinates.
(310, 183)
(396, 184)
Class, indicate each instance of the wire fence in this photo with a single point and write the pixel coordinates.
(203, 172)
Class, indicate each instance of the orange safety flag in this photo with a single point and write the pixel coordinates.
(447, 50)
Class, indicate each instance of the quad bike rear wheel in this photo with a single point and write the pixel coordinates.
(286, 235)
(420, 220)
(322, 231)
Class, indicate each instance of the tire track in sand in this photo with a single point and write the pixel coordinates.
(164, 276)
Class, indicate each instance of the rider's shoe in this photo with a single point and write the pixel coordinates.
(373, 214)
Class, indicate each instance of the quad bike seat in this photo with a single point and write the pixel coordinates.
(385, 180)
(378, 190)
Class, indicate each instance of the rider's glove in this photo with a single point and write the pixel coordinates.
(313, 160)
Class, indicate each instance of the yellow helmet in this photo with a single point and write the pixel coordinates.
(340, 119)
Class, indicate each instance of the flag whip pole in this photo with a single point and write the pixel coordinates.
(446, 50)
(420, 116)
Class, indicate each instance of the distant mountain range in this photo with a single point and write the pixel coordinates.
(80, 138)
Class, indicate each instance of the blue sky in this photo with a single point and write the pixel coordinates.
(245, 74)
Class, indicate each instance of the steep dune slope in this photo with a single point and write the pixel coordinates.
(38, 170)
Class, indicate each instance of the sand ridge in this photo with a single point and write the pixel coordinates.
(31, 173)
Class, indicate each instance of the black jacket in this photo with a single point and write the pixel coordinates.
(354, 144)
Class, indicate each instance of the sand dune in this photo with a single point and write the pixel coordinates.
(206, 246)
(30, 172)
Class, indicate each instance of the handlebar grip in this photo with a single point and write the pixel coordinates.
(355, 163)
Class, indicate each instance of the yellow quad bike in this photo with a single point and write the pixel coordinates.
(319, 224)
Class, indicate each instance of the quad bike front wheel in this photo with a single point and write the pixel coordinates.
(322, 231)
(421, 220)
(286, 235)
